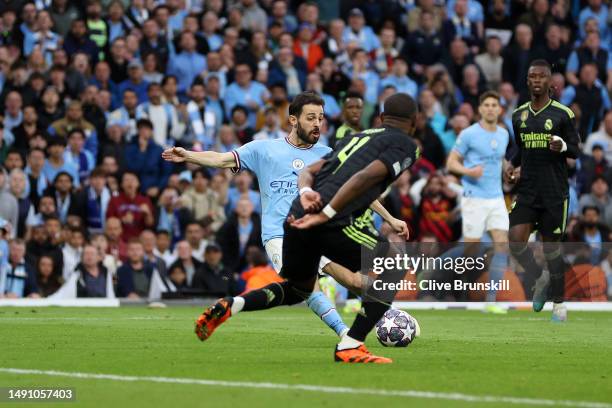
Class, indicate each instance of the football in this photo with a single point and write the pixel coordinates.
(396, 329)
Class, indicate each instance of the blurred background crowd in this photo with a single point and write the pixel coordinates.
(91, 92)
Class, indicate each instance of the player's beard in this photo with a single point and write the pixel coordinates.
(307, 137)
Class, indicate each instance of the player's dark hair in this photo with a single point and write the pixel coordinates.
(304, 98)
(541, 63)
(400, 106)
(351, 95)
(488, 94)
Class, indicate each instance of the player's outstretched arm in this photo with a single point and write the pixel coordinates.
(207, 159)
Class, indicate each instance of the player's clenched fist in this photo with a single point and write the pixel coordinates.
(175, 154)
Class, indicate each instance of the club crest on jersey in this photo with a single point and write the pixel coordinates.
(524, 117)
(548, 125)
(493, 144)
(298, 164)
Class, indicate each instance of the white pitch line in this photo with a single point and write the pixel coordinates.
(318, 388)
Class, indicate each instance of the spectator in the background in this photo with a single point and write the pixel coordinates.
(50, 109)
(590, 52)
(242, 230)
(436, 209)
(215, 69)
(76, 154)
(401, 204)
(169, 214)
(74, 120)
(554, 50)
(43, 40)
(102, 80)
(213, 277)
(56, 163)
(227, 140)
(9, 207)
(592, 231)
(289, 71)
(186, 262)
(305, 47)
(332, 109)
(244, 91)
(96, 26)
(118, 61)
(254, 17)
(72, 252)
(194, 235)
(278, 13)
(334, 46)
(425, 6)
(162, 116)
(202, 201)
(117, 22)
(384, 56)
(592, 164)
(92, 274)
(360, 69)
(517, 57)
(591, 97)
(202, 120)
(47, 281)
(163, 247)
(538, 18)
(457, 124)
(17, 277)
(279, 102)
(135, 81)
(154, 43)
(357, 31)
(242, 188)
(92, 202)
(240, 124)
(210, 25)
(133, 209)
(18, 185)
(491, 62)
(62, 192)
(334, 80)
(134, 276)
(271, 127)
(599, 197)
(143, 157)
(78, 41)
(125, 115)
(603, 137)
(399, 78)
(595, 9)
(113, 231)
(27, 129)
(445, 93)
(460, 26)
(458, 57)
(188, 64)
(148, 241)
(471, 86)
(150, 65)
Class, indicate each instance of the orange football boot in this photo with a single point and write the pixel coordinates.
(359, 355)
(212, 318)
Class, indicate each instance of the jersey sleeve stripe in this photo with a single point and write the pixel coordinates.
(567, 110)
(237, 159)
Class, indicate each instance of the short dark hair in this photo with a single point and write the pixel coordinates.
(63, 173)
(541, 63)
(201, 171)
(401, 106)
(351, 95)
(144, 123)
(488, 94)
(97, 172)
(241, 108)
(304, 98)
(76, 130)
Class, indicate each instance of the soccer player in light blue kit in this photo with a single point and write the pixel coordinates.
(478, 155)
(276, 163)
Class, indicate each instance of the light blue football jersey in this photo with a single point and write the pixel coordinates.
(276, 163)
(481, 147)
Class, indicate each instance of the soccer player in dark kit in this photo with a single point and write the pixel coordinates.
(546, 136)
(334, 191)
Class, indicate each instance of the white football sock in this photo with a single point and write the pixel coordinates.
(347, 342)
(237, 305)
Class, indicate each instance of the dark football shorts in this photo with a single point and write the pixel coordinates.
(549, 220)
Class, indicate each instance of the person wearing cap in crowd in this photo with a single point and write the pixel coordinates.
(135, 81)
(213, 276)
(357, 31)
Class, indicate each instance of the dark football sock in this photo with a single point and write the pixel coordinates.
(557, 268)
(524, 255)
(365, 322)
(275, 294)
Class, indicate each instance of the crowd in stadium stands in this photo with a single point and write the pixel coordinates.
(92, 91)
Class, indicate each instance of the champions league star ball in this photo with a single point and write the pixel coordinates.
(396, 329)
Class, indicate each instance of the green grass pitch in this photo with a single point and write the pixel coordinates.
(521, 355)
